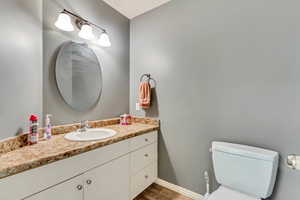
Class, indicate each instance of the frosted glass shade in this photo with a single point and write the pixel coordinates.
(104, 40)
(64, 22)
(86, 32)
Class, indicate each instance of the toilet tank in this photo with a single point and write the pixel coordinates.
(244, 168)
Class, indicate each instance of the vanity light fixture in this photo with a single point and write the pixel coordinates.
(64, 22)
(86, 32)
(86, 27)
(104, 40)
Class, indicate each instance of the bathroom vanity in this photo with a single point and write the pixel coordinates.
(117, 168)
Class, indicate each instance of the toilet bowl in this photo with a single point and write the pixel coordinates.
(224, 193)
(244, 172)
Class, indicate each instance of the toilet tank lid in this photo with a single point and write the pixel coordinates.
(246, 151)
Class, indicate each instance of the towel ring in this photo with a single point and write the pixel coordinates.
(149, 78)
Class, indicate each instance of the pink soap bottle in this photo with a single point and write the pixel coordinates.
(48, 131)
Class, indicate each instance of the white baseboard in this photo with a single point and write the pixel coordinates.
(181, 190)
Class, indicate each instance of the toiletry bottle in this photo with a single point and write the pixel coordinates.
(48, 129)
(33, 135)
(125, 119)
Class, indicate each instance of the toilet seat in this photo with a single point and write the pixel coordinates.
(223, 193)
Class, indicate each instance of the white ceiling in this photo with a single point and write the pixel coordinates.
(133, 8)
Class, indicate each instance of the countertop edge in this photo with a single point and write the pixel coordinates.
(71, 153)
(16, 169)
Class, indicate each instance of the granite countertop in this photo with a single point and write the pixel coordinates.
(22, 157)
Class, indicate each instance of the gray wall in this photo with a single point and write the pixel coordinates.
(225, 70)
(21, 64)
(113, 60)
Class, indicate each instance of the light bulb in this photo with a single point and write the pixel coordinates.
(104, 40)
(64, 22)
(86, 32)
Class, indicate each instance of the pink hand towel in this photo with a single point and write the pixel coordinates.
(145, 95)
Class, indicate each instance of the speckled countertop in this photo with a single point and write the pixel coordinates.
(19, 157)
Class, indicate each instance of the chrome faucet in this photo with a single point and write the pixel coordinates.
(84, 125)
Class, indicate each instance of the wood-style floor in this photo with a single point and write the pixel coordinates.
(157, 192)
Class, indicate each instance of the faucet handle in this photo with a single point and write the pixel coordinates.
(86, 124)
(82, 123)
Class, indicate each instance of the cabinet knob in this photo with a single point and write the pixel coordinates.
(89, 182)
(79, 187)
(146, 176)
(146, 139)
(146, 155)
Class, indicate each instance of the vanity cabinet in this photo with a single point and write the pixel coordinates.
(143, 168)
(67, 190)
(143, 162)
(119, 171)
(109, 182)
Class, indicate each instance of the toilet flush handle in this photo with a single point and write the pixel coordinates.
(293, 161)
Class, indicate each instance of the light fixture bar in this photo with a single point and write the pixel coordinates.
(83, 20)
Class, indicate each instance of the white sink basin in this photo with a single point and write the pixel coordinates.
(91, 134)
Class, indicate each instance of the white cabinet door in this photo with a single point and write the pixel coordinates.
(69, 190)
(109, 181)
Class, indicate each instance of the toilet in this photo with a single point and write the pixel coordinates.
(243, 172)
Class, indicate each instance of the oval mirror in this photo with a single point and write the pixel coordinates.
(78, 75)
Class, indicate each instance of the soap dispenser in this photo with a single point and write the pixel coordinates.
(48, 129)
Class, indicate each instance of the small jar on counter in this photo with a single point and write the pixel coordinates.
(126, 119)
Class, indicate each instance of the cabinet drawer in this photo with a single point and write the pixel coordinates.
(143, 179)
(143, 157)
(143, 140)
